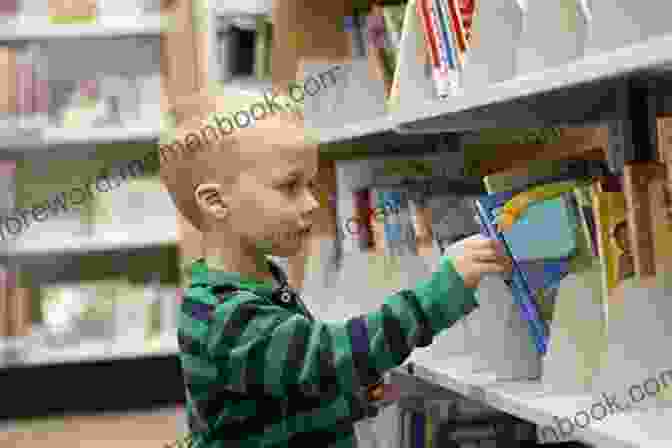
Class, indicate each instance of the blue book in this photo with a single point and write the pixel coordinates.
(539, 244)
(418, 430)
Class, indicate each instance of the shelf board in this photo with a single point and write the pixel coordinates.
(101, 351)
(62, 136)
(26, 29)
(578, 93)
(73, 245)
(533, 401)
(242, 7)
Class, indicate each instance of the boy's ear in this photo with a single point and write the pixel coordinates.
(212, 201)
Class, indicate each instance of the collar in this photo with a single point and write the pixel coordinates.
(202, 275)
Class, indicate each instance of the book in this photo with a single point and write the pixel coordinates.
(353, 26)
(8, 8)
(4, 303)
(262, 48)
(437, 53)
(362, 223)
(539, 172)
(7, 82)
(585, 207)
(25, 86)
(609, 209)
(72, 11)
(418, 429)
(520, 288)
(21, 312)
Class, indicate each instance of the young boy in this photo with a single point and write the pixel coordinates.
(259, 370)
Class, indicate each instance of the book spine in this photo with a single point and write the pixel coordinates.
(430, 41)
(25, 82)
(41, 87)
(447, 55)
(520, 289)
(7, 81)
(4, 304)
(448, 32)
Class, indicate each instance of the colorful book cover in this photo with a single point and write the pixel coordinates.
(443, 33)
(609, 208)
(518, 283)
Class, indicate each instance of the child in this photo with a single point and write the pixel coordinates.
(259, 370)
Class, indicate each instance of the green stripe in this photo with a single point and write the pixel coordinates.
(381, 356)
(343, 357)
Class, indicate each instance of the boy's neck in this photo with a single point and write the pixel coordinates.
(250, 263)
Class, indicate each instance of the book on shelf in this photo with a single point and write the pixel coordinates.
(8, 8)
(4, 303)
(539, 172)
(526, 234)
(263, 43)
(362, 212)
(377, 219)
(7, 81)
(72, 11)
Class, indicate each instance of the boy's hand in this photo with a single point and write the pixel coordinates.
(477, 255)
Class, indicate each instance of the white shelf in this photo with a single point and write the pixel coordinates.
(101, 351)
(576, 93)
(532, 401)
(70, 244)
(62, 136)
(351, 131)
(39, 139)
(247, 86)
(108, 27)
(242, 7)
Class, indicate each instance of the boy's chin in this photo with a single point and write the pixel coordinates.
(287, 251)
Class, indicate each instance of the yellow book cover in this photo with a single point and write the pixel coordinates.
(611, 226)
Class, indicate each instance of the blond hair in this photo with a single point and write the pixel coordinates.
(201, 153)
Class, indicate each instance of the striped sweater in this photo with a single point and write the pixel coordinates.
(260, 371)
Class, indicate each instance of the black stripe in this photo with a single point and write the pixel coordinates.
(269, 412)
(296, 354)
(329, 386)
(394, 335)
(321, 438)
(189, 345)
(359, 341)
(424, 336)
(224, 292)
(236, 324)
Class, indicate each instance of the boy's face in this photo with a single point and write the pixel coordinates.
(272, 203)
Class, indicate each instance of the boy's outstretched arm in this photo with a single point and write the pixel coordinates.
(261, 348)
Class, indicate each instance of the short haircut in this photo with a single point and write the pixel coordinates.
(200, 154)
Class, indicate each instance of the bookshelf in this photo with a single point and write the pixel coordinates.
(601, 89)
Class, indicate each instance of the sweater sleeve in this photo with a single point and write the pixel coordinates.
(261, 347)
